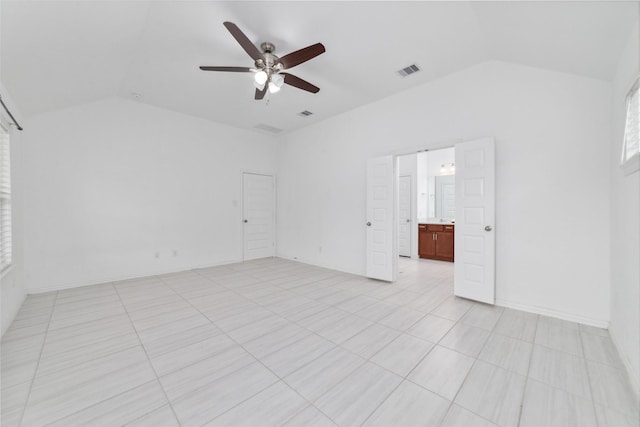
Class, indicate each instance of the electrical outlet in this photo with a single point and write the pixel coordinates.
(175, 252)
(157, 254)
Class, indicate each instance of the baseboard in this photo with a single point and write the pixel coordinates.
(633, 375)
(101, 281)
(599, 323)
(315, 264)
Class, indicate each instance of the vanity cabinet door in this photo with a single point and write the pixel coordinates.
(426, 243)
(444, 245)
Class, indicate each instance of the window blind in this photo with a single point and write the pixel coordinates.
(5, 201)
(632, 126)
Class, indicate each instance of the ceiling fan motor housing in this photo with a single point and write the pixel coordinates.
(269, 63)
(268, 47)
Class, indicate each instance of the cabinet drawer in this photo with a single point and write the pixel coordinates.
(422, 227)
(434, 227)
(448, 228)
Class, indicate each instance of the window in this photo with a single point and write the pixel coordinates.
(5, 201)
(631, 145)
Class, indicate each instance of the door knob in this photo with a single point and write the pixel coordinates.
(488, 228)
(368, 224)
(408, 220)
(246, 220)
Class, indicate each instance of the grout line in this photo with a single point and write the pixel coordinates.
(109, 398)
(75, 325)
(586, 368)
(381, 402)
(405, 378)
(35, 372)
(560, 351)
(526, 379)
(105, 354)
(475, 361)
(147, 356)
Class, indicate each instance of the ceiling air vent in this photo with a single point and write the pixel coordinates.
(267, 128)
(305, 113)
(413, 68)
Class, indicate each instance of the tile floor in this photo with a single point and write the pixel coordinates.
(277, 343)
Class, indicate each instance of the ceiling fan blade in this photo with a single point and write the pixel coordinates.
(302, 55)
(232, 69)
(292, 80)
(244, 41)
(260, 93)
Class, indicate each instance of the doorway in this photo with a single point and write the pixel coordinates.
(258, 215)
(464, 209)
(426, 195)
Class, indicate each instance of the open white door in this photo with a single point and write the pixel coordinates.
(475, 220)
(404, 216)
(381, 248)
(258, 216)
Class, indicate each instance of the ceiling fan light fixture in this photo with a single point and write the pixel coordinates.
(259, 86)
(273, 88)
(277, 79)
(261, 77)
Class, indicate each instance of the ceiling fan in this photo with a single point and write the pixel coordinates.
(269, 69)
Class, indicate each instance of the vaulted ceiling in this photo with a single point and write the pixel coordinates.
(55, 54)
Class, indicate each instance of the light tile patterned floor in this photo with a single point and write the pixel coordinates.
(278, 343)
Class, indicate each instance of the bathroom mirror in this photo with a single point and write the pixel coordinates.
(441, 204)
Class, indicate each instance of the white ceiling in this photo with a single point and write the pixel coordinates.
(55, 54)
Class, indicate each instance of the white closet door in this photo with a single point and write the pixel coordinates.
(381, 248)
(258, 216)
(475, 221)
(404, 216)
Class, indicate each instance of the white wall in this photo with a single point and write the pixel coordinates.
(436, 158)
(423, 193)
(12, 282)
(552, 204)
(109, 184)
(625, 224)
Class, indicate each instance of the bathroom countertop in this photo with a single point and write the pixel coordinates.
(437, 222)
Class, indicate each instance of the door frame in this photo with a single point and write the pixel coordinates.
(411, 209)
(275, 209)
